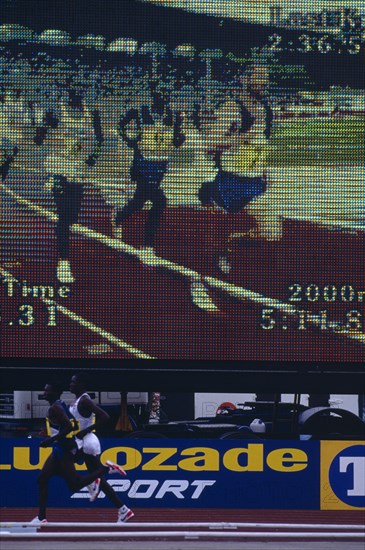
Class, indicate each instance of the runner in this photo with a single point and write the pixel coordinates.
(237, 140)
(153, 135)
(74, 145)
(61, 461)
(90, 417)
(15, 121)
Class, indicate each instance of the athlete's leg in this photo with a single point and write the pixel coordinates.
(92, 464)
(134, 205)
(68, 196)
(237, 193)
(49, 470)
(266, 212)
(75, 481)
(7, 160)
(198, 291)
(158, 199)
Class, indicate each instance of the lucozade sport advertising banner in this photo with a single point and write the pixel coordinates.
(203, 474)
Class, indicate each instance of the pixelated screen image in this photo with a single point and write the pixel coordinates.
(182, 181)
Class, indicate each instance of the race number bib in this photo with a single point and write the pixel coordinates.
(156, 141)
(248, 160)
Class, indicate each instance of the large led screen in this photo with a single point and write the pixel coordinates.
(182, 182)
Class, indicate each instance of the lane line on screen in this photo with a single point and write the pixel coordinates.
(327, 222)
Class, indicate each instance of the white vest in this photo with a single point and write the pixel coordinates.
(84, 422)
(90, 443)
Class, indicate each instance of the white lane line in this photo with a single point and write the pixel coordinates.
(231, 289)
(99, 331)
(87, 324)
(200, 524)
(42, 211)
(328, 222)
(190, 535)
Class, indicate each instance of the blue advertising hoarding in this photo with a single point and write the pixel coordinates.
(176, 473)
(250, 474)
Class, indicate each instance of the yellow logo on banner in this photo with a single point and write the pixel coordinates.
(251, 458)
(342, 475)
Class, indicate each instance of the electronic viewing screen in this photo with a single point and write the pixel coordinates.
(182, 183)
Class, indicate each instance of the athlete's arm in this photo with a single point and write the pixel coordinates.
(99, 137)
(130, 128)
(58, 416)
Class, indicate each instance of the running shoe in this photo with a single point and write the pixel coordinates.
(94, 489)
(114, 468)
(37, 521)
(64, 273)
(224, 264)
(124, 514)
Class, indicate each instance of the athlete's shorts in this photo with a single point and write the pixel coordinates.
(89, 444)
(234, 192)
(67, 445)
(148, 172)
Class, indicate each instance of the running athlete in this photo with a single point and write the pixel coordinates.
(237, 140)
(8, 152)
(61, 461)
(152, 134)
(90, 417)
(75, 145)
(14, 128)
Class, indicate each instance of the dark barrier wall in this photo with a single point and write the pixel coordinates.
(252, 474)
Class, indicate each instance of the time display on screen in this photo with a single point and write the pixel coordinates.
(323, 44)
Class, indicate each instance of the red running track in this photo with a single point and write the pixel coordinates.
(338, 517)
(151, 308)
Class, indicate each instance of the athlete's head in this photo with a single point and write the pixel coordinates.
(78, 384)
(52, 391)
